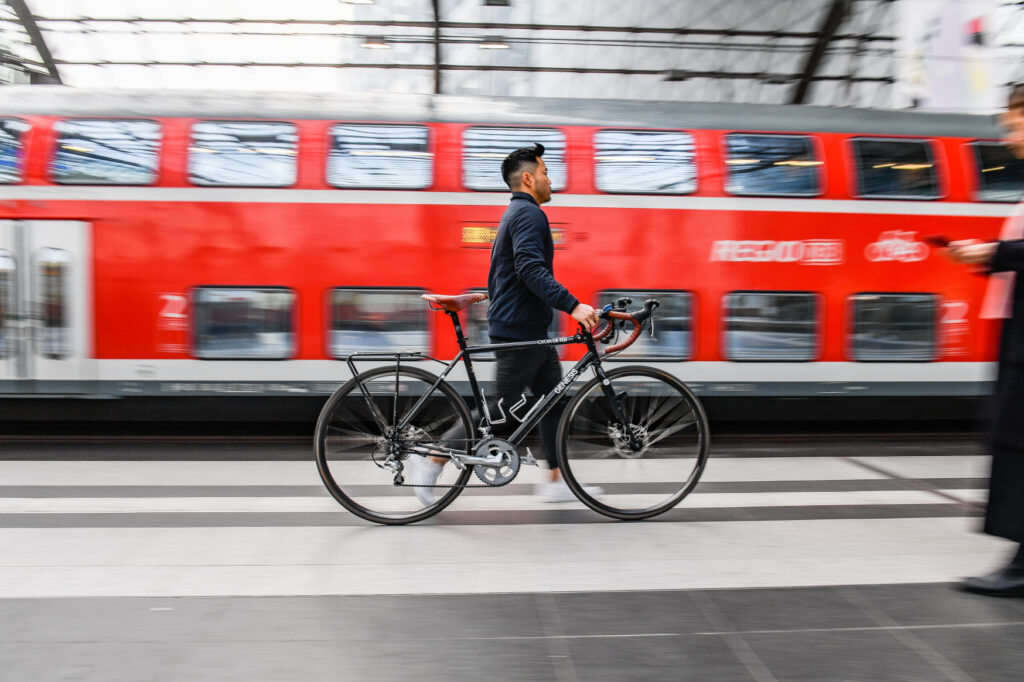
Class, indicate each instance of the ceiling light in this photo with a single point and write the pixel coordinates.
(376, 43)
(493, 43)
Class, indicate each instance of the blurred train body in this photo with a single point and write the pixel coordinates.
(175, 247)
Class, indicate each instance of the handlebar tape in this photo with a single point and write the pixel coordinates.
(637, 319)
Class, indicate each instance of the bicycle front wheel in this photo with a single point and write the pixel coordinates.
(644, 467)
(358, 442)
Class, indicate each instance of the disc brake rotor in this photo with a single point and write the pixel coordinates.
(621, 441)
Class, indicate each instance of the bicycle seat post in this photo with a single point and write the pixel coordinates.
(468, 362)
(458, 328)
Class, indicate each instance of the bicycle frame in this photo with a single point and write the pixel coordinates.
(535, 414)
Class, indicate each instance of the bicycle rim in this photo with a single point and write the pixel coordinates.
(352, 443)
(598, 458)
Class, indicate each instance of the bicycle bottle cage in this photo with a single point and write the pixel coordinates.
(511, 411)
(501, 411)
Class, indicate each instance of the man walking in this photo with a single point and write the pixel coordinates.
(523, 290)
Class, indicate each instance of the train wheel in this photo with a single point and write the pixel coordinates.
(359, 449)
(643, 468)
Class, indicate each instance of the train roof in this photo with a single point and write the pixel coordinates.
(66, 101)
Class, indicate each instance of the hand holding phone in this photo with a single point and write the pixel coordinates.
(940, 241)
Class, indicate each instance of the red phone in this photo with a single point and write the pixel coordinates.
(937, 240)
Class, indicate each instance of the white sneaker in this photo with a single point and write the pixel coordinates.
(558, 491)
(421, 471)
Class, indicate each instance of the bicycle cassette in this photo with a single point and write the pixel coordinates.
(503, 472)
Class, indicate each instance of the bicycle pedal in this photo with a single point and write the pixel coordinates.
(529, 459)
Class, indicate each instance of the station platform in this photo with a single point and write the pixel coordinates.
(813, 559)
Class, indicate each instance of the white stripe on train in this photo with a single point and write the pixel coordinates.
(693, 371)
(385, 197)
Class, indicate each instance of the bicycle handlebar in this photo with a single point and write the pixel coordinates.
(637, 318)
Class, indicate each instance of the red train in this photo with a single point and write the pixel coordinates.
(184, 244)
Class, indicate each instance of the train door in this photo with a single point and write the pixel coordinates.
(45, 306)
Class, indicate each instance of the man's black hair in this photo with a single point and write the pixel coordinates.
(515, 163)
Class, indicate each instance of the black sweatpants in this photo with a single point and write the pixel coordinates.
(533, 367)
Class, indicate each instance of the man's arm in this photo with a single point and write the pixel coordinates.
(531, 268)
(1009, 255)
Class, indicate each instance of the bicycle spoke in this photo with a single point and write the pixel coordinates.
(675, 428)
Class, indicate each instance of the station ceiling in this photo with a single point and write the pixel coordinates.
(830, 52)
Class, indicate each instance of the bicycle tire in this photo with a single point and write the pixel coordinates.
(594, 453)
(345, 425)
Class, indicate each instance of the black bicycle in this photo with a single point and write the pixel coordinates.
(632, 442)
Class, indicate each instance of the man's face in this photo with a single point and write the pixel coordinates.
(1012, 123)
(541, 183)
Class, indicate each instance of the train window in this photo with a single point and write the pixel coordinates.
(12, 149)
(484, 148)
(771, 325)
(8, 276)
(645, 162)
(376, 320)
(243, 154)
(477, 333)
(771, 165)
(895, 169)
(93, 152)
(52, 297)
(379, 157)
(894, 327)
(673, 324)
(243, 323)
(1000, 173)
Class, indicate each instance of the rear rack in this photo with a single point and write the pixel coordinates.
(381, 355)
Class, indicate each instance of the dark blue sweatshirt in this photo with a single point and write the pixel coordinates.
(521, 283)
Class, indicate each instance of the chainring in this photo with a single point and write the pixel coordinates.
(497, 475)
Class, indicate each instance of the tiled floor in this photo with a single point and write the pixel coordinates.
(791, 562)
(874, 633)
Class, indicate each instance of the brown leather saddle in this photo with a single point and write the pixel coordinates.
(452, 304)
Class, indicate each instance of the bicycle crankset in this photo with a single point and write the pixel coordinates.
(503, 472)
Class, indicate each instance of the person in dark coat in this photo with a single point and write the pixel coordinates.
(524, 293)
(1004, 259)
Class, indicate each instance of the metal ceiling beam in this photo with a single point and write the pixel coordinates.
(28, 22)
(487, 26)
(437, 48)
(673, 75)
(833, 19)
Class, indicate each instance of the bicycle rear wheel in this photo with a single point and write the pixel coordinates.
(598, 460)
(354, 443)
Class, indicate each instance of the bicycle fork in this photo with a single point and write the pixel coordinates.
(618, 413)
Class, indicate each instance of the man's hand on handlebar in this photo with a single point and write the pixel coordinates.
(586, 316)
